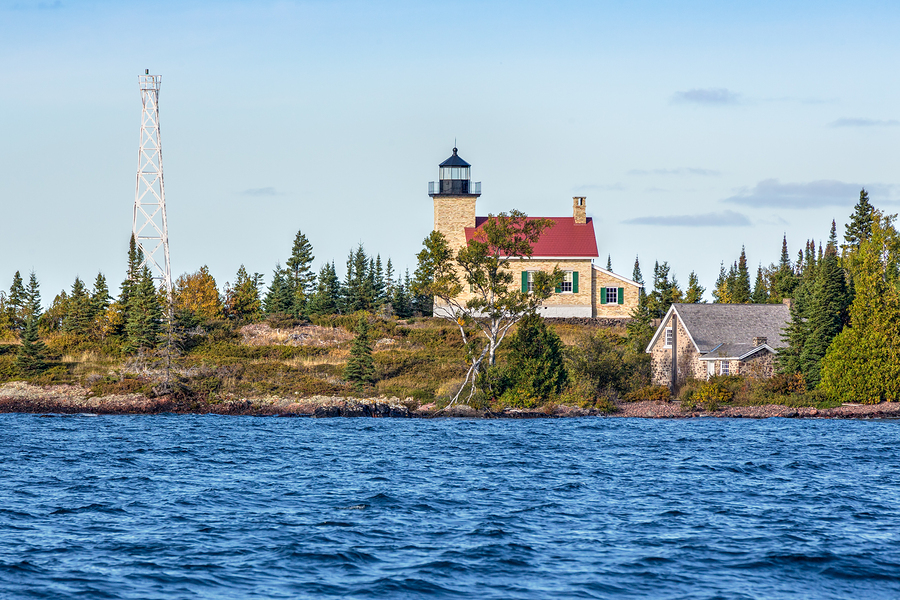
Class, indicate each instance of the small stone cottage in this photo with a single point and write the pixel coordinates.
(700, 340)
(588, 291)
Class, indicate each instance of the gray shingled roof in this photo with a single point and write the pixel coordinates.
(734, 325)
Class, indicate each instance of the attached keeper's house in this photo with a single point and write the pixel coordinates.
(700, 340)
(587, 290)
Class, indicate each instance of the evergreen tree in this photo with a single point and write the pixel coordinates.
(695, 291)
(783, 279)
(379, 287)
(132, 276)
(328, 291)
(741, 293)
(100, 298)
(356, 288)
(535, 360)
(15, 304)
(636, 275)
(760, 293)
(720, 292)
(299, 275)
(420, 304)
(54, 318)
(370, 285)
(77, 319)
(5, 325)
(664, 293)
(144, 313)
(401, 300)
(31, 356)
(242, 301)
(609, 262)
(828, 306)
(360, 368)
(280, 296)
(859, 228)
(389, 281)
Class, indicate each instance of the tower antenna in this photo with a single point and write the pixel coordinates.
(149, 223)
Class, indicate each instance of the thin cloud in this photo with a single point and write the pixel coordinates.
(707, 97)
(728, 218)
(263, 191)
(864, 123)
(679, 171)
(772, 193)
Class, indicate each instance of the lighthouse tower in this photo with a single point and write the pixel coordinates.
(454, 196)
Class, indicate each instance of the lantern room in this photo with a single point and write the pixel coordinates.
(454, 179)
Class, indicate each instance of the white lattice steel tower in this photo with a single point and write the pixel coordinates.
(149, 225)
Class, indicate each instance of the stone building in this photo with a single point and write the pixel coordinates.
(587, 291)
(717, 339)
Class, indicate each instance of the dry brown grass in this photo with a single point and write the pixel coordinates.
(261, 334)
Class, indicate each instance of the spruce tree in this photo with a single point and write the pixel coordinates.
(636, 275)
(828, 306)
(132, 275)
(15, 304)
(360, 368)
(401, 300)
(144, 325)
(78, 313)
(242, 301)
(665, 292)
(741, 293)
(720, 292)
(859, 228)
(609, 262)
(783, 280)
(389, 281)
(535, 360)
(378, 293)
(760, 293)
(31, 356)
(328, 290)
(280, 296)
(299, 276)
(100, 298)
(695, 291)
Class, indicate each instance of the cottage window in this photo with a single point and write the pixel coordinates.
(612, 295)
(530, 287)
(723, 367)
(668, 343)
(566, 285)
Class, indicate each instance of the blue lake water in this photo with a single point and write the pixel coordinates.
(242, 507)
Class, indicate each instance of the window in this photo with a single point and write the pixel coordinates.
(566, 285)
(530, 287)
(612, 296)
(723, 367)
(668, 343)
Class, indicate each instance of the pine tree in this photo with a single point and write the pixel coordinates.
(328, 291)
(535, 360)
(360, 368)
(5, 325)
(741, 293)
(783, 279)
(299, 276)
(132, 275)
(609, 262)
(356, 285)
(636, 275)
(695, 291)
(859, 228)
(401, 300)
(378, 292)
(31, 356)
(828, 306)
(242, 301)
(664, 293)
(77, 319)
(389, 281)
(720, 292)
(760, 293)
(100, 298)
(144, 313)
(15, 304)
(280, 297)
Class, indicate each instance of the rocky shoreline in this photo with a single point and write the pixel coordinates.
(20, 397)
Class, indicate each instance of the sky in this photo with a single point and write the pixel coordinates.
(693, 128)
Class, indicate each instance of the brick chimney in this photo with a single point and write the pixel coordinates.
(759, 341)
(579, 210)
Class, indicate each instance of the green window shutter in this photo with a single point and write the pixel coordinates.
(524, 281)
(574, 282)
(602, 295)
(559, 289)
(621, 296)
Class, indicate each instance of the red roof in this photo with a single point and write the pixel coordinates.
(564, 238)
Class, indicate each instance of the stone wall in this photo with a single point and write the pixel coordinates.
(452, 214)
(759, 366)
(599, 280)
(688, 364)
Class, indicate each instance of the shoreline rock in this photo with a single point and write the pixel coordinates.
(21, 397)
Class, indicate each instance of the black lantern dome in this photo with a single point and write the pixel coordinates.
(454, 179)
